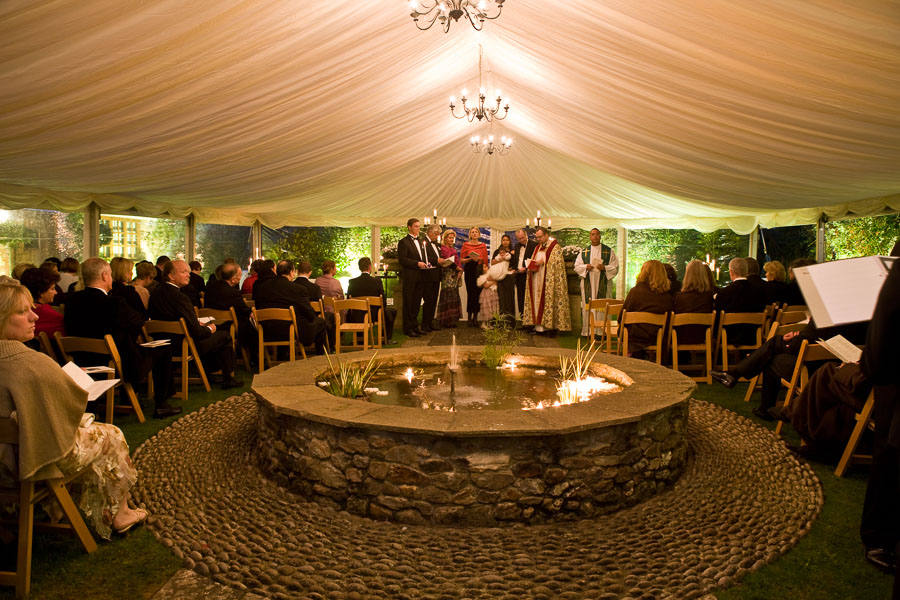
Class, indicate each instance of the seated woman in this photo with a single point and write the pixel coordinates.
(42, 286)
(696, 296)
(122, 270)
(650, 294)
(48, 407)
(331, 287)
(144, 282)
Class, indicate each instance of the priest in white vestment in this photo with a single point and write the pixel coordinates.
(596, 266)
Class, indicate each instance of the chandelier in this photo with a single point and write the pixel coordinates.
(479, 111)
(487, 145)
(445, 10)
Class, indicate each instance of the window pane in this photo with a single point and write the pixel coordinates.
(344, 245)
(861, 237)
(30, 236)
(147, 239)
(215, 243)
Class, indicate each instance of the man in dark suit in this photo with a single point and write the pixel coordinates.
(195, 285)
(740, 297)
(223, 294)
(523, 251)
(282, 292)
(304, 270)
(366, 285)
(413, 262)
(431, 278)
(167, 303)
(160, 263)
(756, 281)
(93, 313)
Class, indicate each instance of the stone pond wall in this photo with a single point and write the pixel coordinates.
(414, 478)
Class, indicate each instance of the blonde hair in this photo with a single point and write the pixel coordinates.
(121, 269)
(696, 278)
(653, 273)
(21, 268)
(13, 297)
(447, 234)
(776, 269)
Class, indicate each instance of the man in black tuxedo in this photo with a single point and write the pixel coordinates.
(740, 296)
(304, 270)
(523, 251)
(223, 294)
(366, 285)
(757, 282)
(160, 263)
(431, 278)
(413, 262)
(282, 292)
(167, 303)
(93, 313)
(195, 285)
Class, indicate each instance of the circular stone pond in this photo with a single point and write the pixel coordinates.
(473, 467)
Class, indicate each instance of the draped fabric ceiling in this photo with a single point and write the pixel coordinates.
(695, 113)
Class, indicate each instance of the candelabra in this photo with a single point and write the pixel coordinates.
(480, 111)
(443, 11)
(487, 145)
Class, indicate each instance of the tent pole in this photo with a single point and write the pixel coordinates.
(754, 243)
(820, 238)
(622, 253)
(375, 246)
(189, 237)
(91, 231)
(256, 240)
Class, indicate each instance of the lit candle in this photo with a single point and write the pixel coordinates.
(435, 213)
(549, 222)
(527, 222)
(539, 215)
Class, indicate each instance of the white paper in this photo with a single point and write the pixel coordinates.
(156, 343)
(99, 370)
(205, 320)
(597, 262)
(842, 348)
(842, 291)
(94, 388)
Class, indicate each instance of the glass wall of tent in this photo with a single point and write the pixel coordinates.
(140, 238)
(214, 243)
(30, 236)
(344, 245)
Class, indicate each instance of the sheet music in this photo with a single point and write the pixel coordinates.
(842, 348)
(842, 291)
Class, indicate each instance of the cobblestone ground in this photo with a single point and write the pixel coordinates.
(742, 501)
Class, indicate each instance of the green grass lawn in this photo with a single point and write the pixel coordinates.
(827, 564)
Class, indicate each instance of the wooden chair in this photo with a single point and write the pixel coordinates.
(611, 327)
(727, 319)
(787, 317)
(261, 316)
(158, 330)
(645, 318)
(598, 304)
(70, 345)
(317, 306)
(342, 327)
(377, 325)
(707, 319)
(863, 422)
(775, 329)
(249, 301)
(26, 495)
(47, 346)
(800, 376)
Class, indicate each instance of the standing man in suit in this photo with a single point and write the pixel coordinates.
(304, 270)
(431, 278)
(167, 303)
(740, 296)
(522, 253)
(413, 262)
(282, 292)
(224, 294)
(93, 313)
(367, 285)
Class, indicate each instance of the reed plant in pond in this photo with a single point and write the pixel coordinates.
(500, 339)
(349, 379)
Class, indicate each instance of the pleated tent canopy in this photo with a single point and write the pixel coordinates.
(697, 113)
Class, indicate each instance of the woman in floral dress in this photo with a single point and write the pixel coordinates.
(449, 305)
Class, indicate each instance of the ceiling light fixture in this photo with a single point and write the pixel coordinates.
(480, 111)
(444, 10)
(487, 146)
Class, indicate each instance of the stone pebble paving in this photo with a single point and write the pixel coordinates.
(742, 501)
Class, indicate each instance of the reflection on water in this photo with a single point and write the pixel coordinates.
(476, 387)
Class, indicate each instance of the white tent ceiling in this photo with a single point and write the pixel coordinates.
(695, 113)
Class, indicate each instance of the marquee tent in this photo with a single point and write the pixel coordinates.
(695, 113)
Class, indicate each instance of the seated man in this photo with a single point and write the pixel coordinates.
(281, 292)
(167, 303)
(93, 313)
(776, 358)
(740, 296)
(366, 285)
(223, 294)
(195, 285)
(304, 270)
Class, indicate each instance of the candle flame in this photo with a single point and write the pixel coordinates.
(409, 374)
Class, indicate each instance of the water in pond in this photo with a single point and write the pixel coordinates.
(475, 387)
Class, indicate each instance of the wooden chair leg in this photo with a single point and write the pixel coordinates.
(110, 404)
(752, 387)
(132, 397)
(26, 536)
(71, 511)
(862, 422)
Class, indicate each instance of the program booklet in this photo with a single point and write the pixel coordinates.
(842, 348)
(843, 291)
(94, 388)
